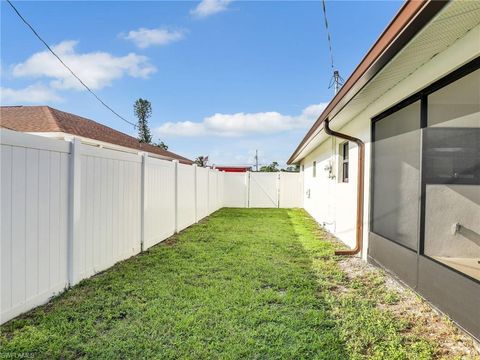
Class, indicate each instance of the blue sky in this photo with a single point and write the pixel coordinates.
(224, 77)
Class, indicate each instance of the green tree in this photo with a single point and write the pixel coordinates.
(201, 161)
(143, 110)
(294, 168)
(161, 145)
(273, 167)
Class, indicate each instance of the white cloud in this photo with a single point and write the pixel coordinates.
(241, 124)
(36, 93)
(144, 37)
(210, 7)
(313, 111)
(96, 69)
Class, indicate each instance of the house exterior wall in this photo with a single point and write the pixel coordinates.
(447, 205)
(333, 203)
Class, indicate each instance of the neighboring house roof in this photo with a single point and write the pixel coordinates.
(39, 119)
(410, 19)
(234, 168)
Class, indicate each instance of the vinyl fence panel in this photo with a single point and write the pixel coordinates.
(220, 189)
(159, 201)
(212, 191)
(235, 191)
(202, 192)
(185, 196)
(34, 206)
(109, 224)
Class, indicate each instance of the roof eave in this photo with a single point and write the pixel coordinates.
(409, 20)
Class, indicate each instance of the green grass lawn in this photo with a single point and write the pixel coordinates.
(244, 283)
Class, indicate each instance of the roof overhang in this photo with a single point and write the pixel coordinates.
(410, 19)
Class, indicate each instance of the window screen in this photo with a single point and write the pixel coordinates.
(457, 104)
(396, 176)
(452, 175)
(452, 139)
(452, 155)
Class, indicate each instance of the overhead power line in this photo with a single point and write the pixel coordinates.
(328, 33)
(67, 67)
(337, 81)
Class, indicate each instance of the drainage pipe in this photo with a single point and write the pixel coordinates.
(360, 186)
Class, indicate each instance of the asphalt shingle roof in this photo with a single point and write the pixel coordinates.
(47, 119)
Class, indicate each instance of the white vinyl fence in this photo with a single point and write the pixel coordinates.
(34, 217)
(236, 190)
(159, 201)
(263, 190)
(290, 190)
(70, 210)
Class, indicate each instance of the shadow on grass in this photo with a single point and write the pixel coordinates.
(360, 305)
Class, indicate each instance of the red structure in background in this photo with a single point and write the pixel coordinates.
(237, 169)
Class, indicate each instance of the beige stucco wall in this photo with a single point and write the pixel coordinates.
(447, 205)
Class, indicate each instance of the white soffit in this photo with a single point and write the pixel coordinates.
(451, 24)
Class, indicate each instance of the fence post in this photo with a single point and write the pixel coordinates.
(216, 189)
(247, 181)
(208, 191)
(195, 192)
(74, 206)
(278, 189)
(222, 173)
(175, 164)
(143, 200)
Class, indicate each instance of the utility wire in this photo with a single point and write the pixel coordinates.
(328, 32)
(68, 68)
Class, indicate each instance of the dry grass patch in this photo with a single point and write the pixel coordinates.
(423, 320)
